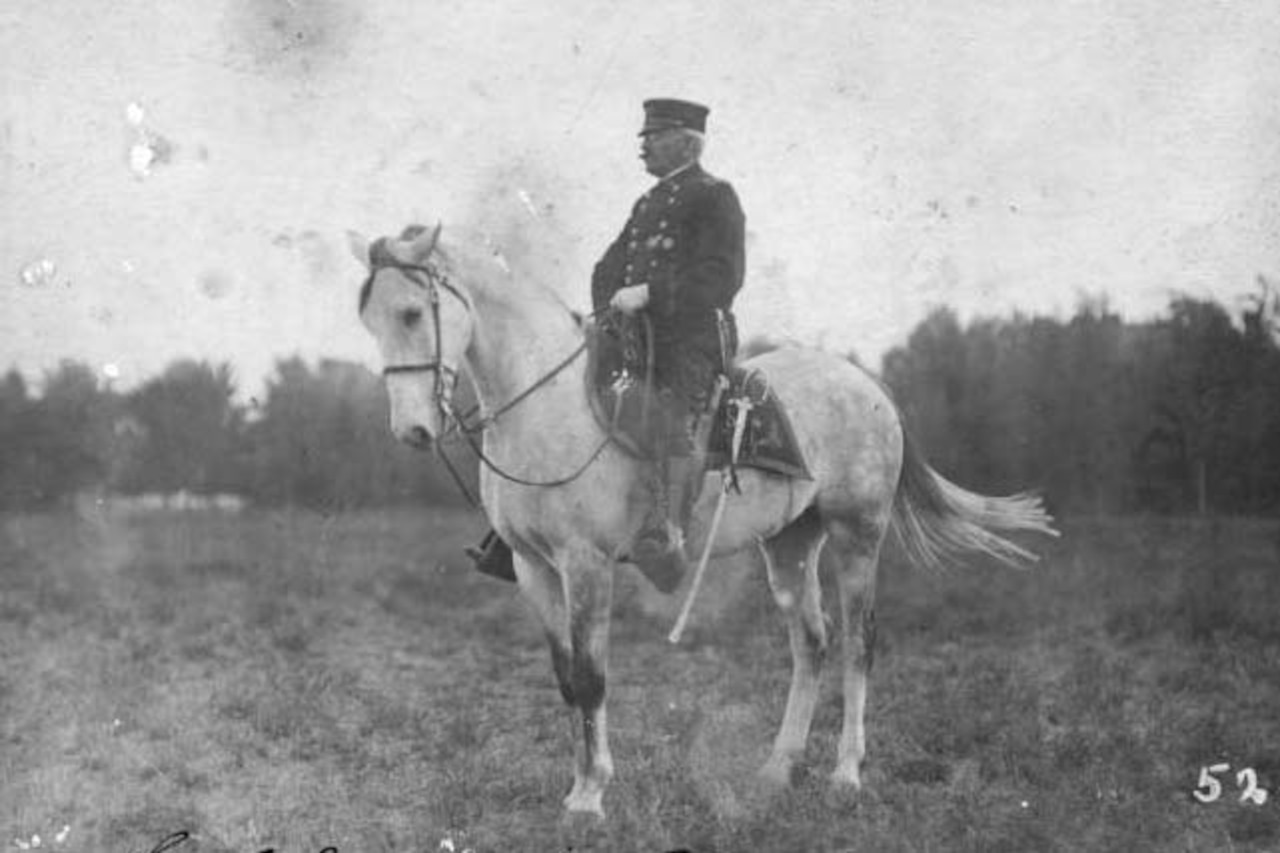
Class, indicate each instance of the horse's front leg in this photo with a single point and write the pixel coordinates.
(588, 590)
(573, 604)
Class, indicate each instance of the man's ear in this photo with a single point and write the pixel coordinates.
(359, 245)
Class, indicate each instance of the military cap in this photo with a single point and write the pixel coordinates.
(663, 113)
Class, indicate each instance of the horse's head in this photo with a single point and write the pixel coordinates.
(422, 324)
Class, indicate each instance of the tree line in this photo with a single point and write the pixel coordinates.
(318, 438)
(1178, 414)
(1172, 415)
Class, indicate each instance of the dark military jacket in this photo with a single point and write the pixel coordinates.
(685, 240)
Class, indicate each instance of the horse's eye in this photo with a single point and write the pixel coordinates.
(411, 317)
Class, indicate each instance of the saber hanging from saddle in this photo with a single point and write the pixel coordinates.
(743, 405)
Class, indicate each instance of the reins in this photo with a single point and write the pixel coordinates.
(487, 420)
(430, 279)
(469, 432)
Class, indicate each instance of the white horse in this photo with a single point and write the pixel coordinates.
(437, 307)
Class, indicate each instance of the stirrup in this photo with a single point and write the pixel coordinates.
(493, 557)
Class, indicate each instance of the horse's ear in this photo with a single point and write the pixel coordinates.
(359, 245)
(425, 243)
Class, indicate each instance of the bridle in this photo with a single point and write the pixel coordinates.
(432, 280)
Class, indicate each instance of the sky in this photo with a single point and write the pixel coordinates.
(177, 176)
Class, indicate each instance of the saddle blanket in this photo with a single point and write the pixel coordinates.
(619, 396)
(768, 442)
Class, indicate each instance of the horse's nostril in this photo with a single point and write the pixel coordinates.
(419, 437)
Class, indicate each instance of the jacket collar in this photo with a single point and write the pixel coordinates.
(691, 168)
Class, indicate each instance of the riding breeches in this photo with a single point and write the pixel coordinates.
(685, 378)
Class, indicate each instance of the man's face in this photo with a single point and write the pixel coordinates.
(663, 151)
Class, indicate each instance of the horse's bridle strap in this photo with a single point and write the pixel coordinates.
(419, 367)
(433, 276)
(433, 280)
(441, 370)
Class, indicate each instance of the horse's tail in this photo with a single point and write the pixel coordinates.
(935, 519)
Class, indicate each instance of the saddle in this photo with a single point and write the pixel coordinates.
(625, 402)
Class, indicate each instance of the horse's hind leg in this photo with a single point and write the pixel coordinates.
(791, 560)
(856, 546)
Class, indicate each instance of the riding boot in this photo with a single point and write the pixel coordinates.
(658, 549)
(493, 557)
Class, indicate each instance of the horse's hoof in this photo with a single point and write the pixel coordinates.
(574, 817)
(776, 772)
(581, 830)
(572, 810)
(846, 776)
(586, 806)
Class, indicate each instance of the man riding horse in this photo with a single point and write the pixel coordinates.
(572, 512)
(678, 262)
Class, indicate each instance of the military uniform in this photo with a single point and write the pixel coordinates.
(685, 240)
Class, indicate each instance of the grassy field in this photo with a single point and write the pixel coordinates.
(295, 681)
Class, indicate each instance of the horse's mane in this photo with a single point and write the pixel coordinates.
(464, 247)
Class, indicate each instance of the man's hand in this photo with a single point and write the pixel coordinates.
(629, 300)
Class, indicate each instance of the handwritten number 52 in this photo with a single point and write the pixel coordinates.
(1210, 789)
